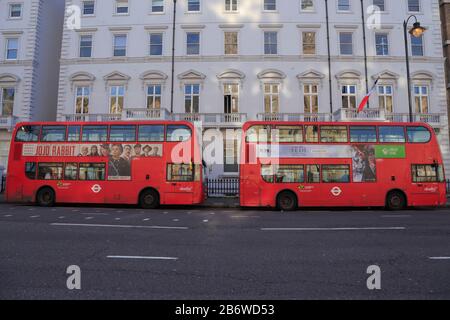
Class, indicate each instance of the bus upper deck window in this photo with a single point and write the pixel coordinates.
(28, 134)
(288, 134)
(312, 133)
(391, 134)
(333, 134)
(177, 133)
(95, 133)
(363, 134)
(151, 133)
(418, 134)
(73, 133)
(257, 134)
(122, 133)
(53, 134)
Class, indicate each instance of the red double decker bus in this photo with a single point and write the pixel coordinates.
(147, 163)
(368, 164)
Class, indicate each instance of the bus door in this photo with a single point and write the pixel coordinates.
(425, 186)
(180, 186)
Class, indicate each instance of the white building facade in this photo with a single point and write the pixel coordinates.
(239, 60)
(30, 34)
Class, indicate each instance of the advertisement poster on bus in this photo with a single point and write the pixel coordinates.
(364, 163)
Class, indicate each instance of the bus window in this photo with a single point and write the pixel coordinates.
(257, 134)
(28, 134)
(151, 133)
(418, 134)
(267, 173)
(70, 171)
(289, 174)
(50, 171)
(176, 133)
(427, 173)
(53, 134)
(333, 134)
(179, 172)
(30, 170)
(92, 171)
(313, 173)
(95, 133)
(312, 134)
(288, 134)
(391, 134)
(122, 133)
(335, 173)
(73, 133)
(363, 134)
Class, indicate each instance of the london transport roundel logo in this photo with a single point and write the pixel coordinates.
(96, 188)
(336, 191)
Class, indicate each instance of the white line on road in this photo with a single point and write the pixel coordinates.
(397, 216)
(35, 216)
(8, 215)
(245, 217)
(439, 258)
(332, 229)
(142, 257)
(116, 226)
(146, 219)
(88, 218)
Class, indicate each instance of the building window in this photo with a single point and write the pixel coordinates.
(82, 100)
(116, 99)
(270, 5)
(193, 5)
(348, 96)
(88, 8)
(193, 43)
(421, 99)
(346, 43)
(15, 10)
(192, 98)
(386, 98)
(307, 5)
(270, 42)
(154, 97)
(271, 98)
(231, 5)
(231, 98)
(157, 6)
(417, 46)
(120, 45)
(380, 4)
(382, 44)
(156, 44)
(86, 46)
(309, 42)
(231, 42)
(7, 101)
(414, 5)
(343, 5)
(12, 48)
(121, 6)
(311, 98)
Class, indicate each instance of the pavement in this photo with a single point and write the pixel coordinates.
(212, 253)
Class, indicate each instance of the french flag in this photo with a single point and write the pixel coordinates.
(364, 101)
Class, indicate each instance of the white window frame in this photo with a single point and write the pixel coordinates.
(384, 95)
(302, 43)
(225, 43)
(116, 2)
(225, 87)
(114, 44)
(414, 12)
(117, 96)
(10, 6)
(388, 44)
(311, 94)
(83, 96)
(92, 45)
(7, 48)
(385, 6)
(352, 43)
(307, 11)
(277, 44)
(154, 95)
(150, 43)
(421, 95)
(1, 98)
(349, 95)
(231, 6)
(267, 10)
(271, 94)
(199, 43)
(196, 11)
(95, 8)
(411, 46)
(157, 12)
(344, 11)
(192, 95)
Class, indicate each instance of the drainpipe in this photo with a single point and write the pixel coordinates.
(329, 58)
(363, 20)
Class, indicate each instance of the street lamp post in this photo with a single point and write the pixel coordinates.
(416, 31)
(173, 54)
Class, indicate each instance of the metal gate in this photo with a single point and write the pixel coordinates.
(223, 187)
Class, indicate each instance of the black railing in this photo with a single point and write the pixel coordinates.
(223, 187)
(3, 184)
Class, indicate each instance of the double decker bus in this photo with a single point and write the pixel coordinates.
(368, 164)
(147, 163)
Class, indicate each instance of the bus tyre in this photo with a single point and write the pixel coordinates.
(287, 201)
(395, 200)
(149, 199)
(45, 197)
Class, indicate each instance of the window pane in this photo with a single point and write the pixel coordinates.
(363, 134)
(122, 133)
(257, 134)
(151, 133)
(30, 170)
(288, 134)
(330, 134)
(289, 174)
(70, 171)
(335, 173)
(88, 7)
(311, 133)
(178, 133)
(53, 133)
(193, 5)
(270, 5)
(418, 134)
(73, 133)
(92, 171)
(391, 134)
(50, 171)
(28, 134)
(180, 172)
(157, 5)
(95, 133)
(313, 173)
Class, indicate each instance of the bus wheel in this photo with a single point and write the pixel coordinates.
(149, 199)
(395, 200)
(287, 201)
(45, 197)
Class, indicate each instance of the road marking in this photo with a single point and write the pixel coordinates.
(75, 210)
(175, 220)
(142, 257)
(212, 213)
(62, 217)
(165, 212)
(439, 258)
(397, 216)
(332, 229)
(34, 216)
(93, 214)
(117, 219)
(8, 215)
(116, 226)
(146, 219)
(205, 220)
(245, 217)
(88, 218)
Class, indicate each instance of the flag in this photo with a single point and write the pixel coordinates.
(366, 98)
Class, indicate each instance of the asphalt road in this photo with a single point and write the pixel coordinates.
(200, 253)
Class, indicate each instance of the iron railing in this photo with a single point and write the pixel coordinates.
(3, 184)
(228, 187)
